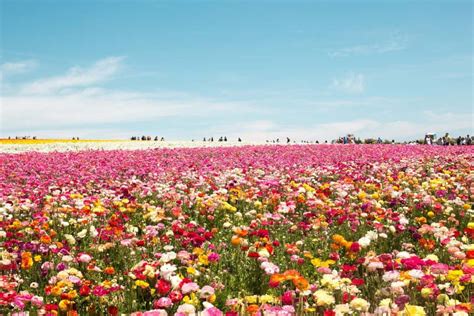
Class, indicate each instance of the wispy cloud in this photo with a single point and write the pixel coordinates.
(351, 83)
(15, 68)
(399, 130)
(100, 71)
(98, 107)
(395, 43)
(75, 100)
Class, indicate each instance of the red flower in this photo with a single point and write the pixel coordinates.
(253, 254)
(355, 247)
(84, 290)
(51, 307)
(175, 296)
(163, 287)
(358, 282)
(113, 310)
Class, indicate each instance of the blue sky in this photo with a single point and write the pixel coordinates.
(254, 69)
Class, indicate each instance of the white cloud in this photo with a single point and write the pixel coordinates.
(394, 44)
(98, 107)
(101, 71)
(14, 68)
(400, 130)
(11, 68)
(73, 102)
(352, 83)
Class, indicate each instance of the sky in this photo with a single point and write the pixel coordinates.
(309, 70)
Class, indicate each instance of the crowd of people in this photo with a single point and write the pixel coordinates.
(429, 139)
(447, 140)
(22, 137)
(147, 138)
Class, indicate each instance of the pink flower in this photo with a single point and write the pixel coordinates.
(163, 302)
(211, 311)
(189, 287)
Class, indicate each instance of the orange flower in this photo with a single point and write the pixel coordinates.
(241, 232)
(236, 240)
(277, 278)
(301, 283)
(335, 247)
(347, 244)
(428, 244)
(109, 270)
(26, 260)
(252, 309)
(338, 239)
(291, 274)
(45, 239)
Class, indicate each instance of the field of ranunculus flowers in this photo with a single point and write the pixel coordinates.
(252, 230)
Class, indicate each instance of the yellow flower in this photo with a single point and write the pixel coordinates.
(72, 294)
(142, 284)
(203, 259)
(308, 188)
(359, 304)
(425, 292)
(318, 263)
(414, 310)
(251, 299)
(454, 275)
(264, 299)
(212, 298)
(191, 299)
(198, 251)
(64, 305)
(56, 291)
(459, 288)
(323, 298)
(227, 207)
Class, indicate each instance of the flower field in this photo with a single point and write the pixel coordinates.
(63, 145)
(250, 230)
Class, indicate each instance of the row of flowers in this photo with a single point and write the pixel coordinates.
(252, 230)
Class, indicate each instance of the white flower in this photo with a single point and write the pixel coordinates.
(93, 231)
(175, 281)
(323, 298)
(167, 270)
(82, 233)
(390, 276)
(417, 274)
(342, 309)
(397, 284)
(375, 265)
(403, 255)
(372, 235)
(187, 309)
(364, 242)
(360, 305)
(269, 267)
(167, 257)
(70, 239)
